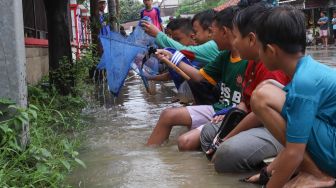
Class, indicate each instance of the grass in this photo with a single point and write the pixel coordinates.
(53, 121)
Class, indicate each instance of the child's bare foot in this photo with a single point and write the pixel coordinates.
(254, 178)
(309, 181)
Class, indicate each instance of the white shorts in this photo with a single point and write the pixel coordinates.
(200, 115)
(323, 33)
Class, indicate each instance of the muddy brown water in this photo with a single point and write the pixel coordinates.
(114, 148)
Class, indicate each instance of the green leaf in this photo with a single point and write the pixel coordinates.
(45, 152)
(80, 162)
(6, 101)
(33, 107)
(33, 113)
(42, 168)
(66, 164)
(19, 121)
(5, 129)
(25, 116)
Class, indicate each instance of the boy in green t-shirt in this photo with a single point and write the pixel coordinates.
(206, 50)
(228, 69)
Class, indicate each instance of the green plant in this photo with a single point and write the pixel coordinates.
(48, 157)
(53, 120)
(73, 74)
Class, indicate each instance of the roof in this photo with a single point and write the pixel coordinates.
(226, 4)
(129, 25)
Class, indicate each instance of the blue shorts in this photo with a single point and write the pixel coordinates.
(322, 146)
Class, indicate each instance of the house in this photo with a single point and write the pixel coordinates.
(36, 35)
(227, 4)
(168, 7)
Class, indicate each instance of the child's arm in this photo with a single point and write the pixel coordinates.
(204, 53)
(162, 27)
(249, 122)
(321, 22)
(192, 72)
(289, 160)
(161, 77)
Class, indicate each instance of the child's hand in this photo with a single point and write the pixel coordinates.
(163, 54)
(149, 28)
(147, 75)
(217, 119)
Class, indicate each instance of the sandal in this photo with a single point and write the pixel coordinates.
(263, 178)
(230, 121)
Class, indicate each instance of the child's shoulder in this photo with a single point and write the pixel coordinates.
(309, 71)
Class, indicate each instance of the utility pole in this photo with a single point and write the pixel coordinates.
(13, 59)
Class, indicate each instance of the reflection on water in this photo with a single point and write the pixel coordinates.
(325, 56)
(114, 147)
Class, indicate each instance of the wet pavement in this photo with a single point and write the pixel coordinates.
(114, 145)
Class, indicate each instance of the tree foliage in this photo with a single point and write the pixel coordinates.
(196, 6)
(130, 10)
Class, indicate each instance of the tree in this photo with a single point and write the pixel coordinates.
(196, 6)
(130, 10)
(112, 9)
(94, 22)
(59, 45)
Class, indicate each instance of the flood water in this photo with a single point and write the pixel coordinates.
(114, 148)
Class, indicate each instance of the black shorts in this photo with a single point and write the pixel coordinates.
(204, 93)
(334, 32)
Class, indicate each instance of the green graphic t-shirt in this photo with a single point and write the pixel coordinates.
(229, 73)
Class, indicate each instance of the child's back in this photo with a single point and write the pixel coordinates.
(313, 89)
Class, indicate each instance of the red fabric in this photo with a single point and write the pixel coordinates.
(261, 74)
(190, 55)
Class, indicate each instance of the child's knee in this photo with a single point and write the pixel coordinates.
(186, 143)
(267, 95)
(169, 113)
(259, 97)
(227, 159)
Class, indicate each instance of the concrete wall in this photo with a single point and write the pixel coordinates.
(37, 63)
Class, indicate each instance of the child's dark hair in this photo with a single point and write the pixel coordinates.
(170, 24)
(225, 16)
(183, 24)
(246, 20)
(283, 26)
(204, 18)
(324, 12)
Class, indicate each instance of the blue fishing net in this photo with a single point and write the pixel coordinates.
(119, 53)
(145, 65)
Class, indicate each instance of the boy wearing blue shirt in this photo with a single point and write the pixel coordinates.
(323, 22)
(302, 116)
